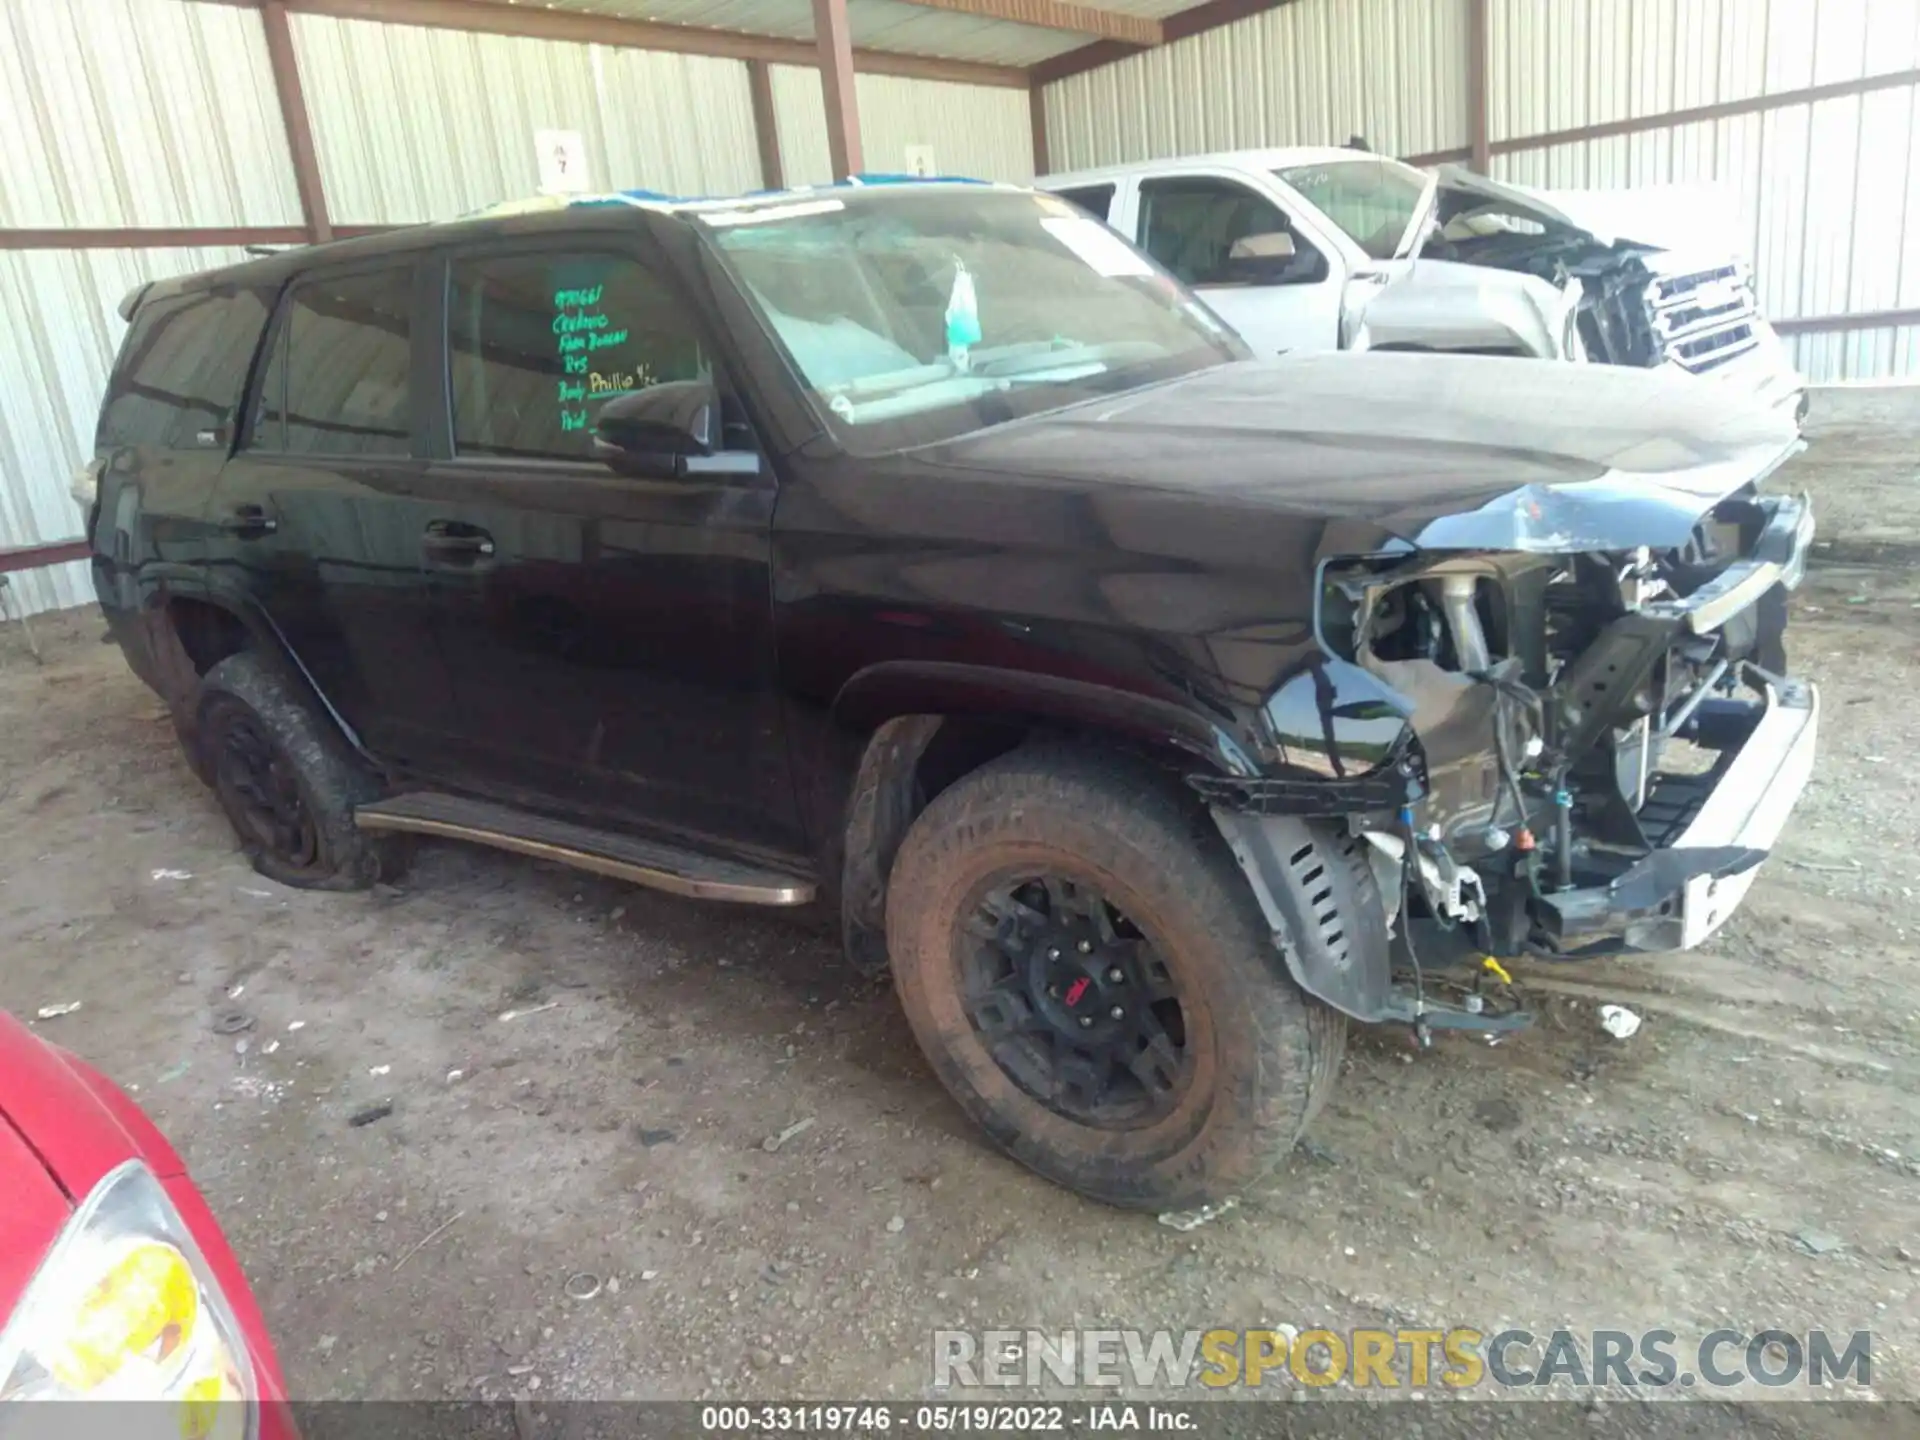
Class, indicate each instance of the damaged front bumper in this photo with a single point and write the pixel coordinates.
(1680, 893)
(1504, 753)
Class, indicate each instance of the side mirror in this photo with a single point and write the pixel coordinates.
(657, 430)
(1269, 258)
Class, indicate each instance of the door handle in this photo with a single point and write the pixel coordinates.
(248, 521)
(454, 540)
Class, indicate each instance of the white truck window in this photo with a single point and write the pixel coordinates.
(1096, 200)
(1372, 200)
(1191, 224)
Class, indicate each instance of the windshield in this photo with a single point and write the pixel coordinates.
(917, 315)
(1371, 198)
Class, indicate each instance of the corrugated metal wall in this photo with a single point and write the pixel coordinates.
(1311, 73)
(1827, 196)
(159, 113)
(139, 112)
(59, 331)
(112, 113)
(983, 131)
(414, 124)
(162, 113)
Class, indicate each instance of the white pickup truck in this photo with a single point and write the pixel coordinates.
(1320, 249)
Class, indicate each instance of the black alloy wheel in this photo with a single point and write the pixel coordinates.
(262, 792)
(1074, 1003)
(287, 780)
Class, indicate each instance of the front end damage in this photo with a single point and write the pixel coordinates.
(1633, 295)
(1537, 750)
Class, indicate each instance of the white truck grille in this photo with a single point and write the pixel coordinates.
(1701, 319)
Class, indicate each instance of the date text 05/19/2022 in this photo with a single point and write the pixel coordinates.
(944, 1418)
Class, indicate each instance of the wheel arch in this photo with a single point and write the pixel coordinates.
(193, 625)
(892, 688)
(928, 724)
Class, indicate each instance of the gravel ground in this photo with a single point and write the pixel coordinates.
(583, 1076)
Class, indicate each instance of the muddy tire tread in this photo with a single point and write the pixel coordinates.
(332, 780)
(1136, 821)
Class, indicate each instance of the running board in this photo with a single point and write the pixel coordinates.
(652, 863)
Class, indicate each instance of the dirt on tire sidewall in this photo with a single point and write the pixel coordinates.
(1256, 1058)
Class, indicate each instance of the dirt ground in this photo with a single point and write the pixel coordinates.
(583, 1074)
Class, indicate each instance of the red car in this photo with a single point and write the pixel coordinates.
(115, 1282)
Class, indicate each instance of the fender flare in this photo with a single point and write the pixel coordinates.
(879, 811)
(892, 688)
(901, 706)
(192, 583)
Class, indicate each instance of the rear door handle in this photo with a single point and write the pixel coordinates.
(451, 539)
(248, 521)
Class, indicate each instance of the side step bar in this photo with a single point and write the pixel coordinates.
(652, 863)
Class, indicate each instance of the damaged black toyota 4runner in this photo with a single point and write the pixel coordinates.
(925, 551)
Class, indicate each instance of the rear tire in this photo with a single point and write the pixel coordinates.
(288, 784)
(1192, 1106)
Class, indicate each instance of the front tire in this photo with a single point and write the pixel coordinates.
(288, 784)
(1091, 979)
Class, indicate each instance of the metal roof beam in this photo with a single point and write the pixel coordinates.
(1138, 31)
(1182, 25)
(486, 17)
(835, 41)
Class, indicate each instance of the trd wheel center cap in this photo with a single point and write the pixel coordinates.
(1081, 991)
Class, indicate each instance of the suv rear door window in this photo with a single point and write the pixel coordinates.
(180, 371)
(537, 343)
(337, 382)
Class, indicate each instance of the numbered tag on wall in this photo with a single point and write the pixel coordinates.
(563, 162)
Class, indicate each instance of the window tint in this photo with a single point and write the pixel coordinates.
(1191, 224)
(180, 372)
(537, 343)
(337, 380)
(1096, 200)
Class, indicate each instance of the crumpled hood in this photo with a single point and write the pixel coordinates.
(1445, 451)
(1665, 217)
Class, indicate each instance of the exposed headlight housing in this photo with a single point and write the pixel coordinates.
(125, 1307)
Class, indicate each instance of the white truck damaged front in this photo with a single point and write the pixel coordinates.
(1559, 724)
(1644, 285)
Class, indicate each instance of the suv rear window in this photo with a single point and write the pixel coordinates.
(536, 343)
(338, 380)
(180, 370)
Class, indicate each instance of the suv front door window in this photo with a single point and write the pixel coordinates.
(1253, 263)
(537, 345)
(610, 636)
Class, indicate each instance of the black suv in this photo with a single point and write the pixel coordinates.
(926, 551)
